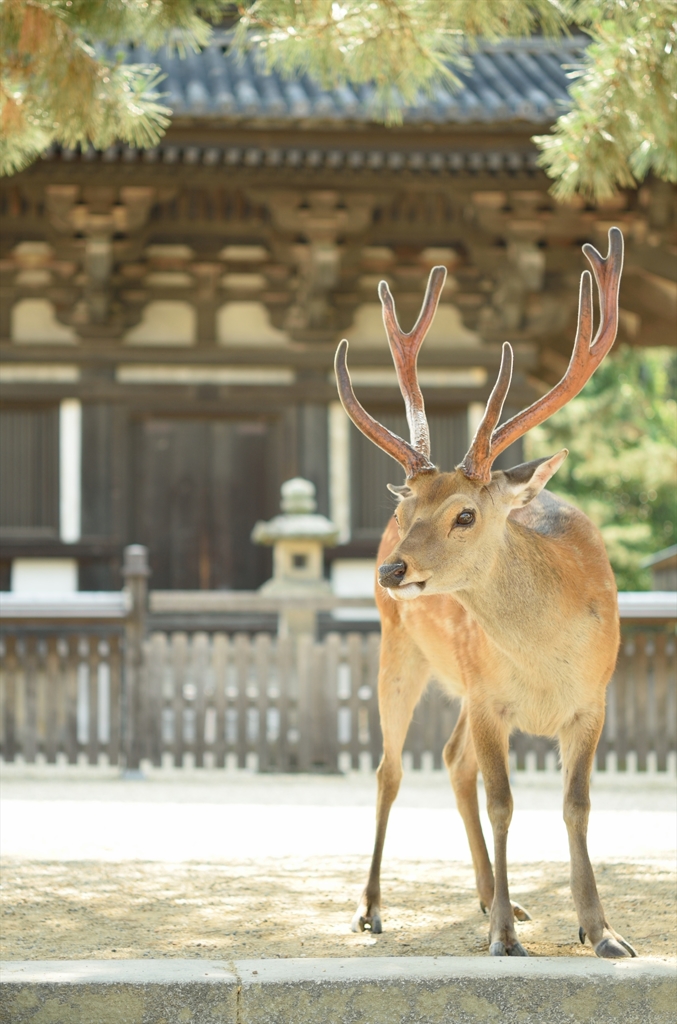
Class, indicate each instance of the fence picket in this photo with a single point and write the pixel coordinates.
(219, 669)
(92, 700)
(115, 709)
(52, 702)
(287, 703)
(332, 658)
(30, 702)
(241, 661)
(10, 744)
(262, 670)
(201, 666)
(304, 646)
(179, 644)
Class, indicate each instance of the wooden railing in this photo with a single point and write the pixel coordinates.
(82, 679)
(278, 704)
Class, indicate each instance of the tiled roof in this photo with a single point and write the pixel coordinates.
(516, 80)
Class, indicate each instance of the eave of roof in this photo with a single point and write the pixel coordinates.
(515, 80)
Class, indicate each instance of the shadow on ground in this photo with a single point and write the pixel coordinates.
(297, 908)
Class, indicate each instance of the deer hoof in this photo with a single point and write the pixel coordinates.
(500, 949)
(614, 948)
(375, 924)
(366, 922)
(520, 913)
(581, 935)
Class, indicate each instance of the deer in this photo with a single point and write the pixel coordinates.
(503, 592)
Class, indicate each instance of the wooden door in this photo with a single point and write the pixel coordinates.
(200, 485)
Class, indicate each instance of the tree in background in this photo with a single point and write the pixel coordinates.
(622, 124)
(61, 79)
(58, 84)
(622, 463)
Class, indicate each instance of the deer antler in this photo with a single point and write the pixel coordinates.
(414, 457)
(489, 442)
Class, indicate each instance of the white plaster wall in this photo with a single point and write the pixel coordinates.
(44, 576)
(33, 321)
(247, 323)
(165, 322)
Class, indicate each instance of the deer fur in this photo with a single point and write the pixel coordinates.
(504, 593)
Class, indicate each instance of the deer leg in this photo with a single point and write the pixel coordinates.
(578, 743)
(490, 739)
(403, 675)
(461, 761)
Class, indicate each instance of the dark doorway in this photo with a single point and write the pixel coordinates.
(200, 485)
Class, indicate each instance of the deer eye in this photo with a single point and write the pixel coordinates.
(465, 518)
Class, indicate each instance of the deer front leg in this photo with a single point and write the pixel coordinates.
(490, 739)
(403, 675)
(461, 761)
(578, 743)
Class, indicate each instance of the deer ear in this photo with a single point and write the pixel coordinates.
(524, 482)
(400, 490)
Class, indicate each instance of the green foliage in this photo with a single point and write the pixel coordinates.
(622, 124)
(60, 80)
(58, 84)
(400, 46)
(622, 464)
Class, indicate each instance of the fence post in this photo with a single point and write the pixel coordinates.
(135, 571)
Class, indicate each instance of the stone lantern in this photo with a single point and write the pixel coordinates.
(297, 538)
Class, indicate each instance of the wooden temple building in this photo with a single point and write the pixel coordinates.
(169, 317)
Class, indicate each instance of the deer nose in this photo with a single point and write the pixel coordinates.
(391, 574)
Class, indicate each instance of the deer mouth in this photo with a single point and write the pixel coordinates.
(408, 591)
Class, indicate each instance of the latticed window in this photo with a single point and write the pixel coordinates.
(29, 472)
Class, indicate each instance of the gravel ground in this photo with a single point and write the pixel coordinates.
(303, 908)
(254, 892)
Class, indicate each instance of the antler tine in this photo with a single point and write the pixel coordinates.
(405, 348)
(479, 455)
(585, 358)
(413, 461)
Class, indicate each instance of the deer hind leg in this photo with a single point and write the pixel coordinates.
(578, 743)
(461, 761)
(490, 738)
(403, 675)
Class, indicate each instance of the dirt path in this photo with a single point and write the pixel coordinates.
(293, 908)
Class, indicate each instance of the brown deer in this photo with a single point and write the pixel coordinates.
(504, 593)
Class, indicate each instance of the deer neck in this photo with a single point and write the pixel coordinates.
(508, 596)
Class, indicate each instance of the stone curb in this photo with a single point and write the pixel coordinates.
(373, 990)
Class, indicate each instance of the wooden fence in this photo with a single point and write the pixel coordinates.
(275, 704)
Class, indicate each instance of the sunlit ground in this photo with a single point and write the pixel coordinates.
(242, 866)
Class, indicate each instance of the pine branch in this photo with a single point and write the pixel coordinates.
(60, 80)
(400, 47)
(622, 125)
